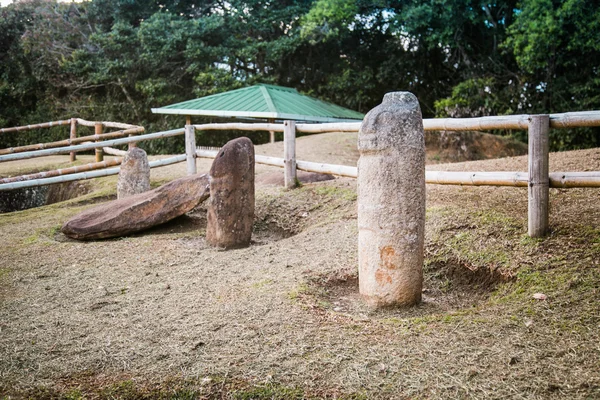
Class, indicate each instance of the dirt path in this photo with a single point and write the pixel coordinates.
(282, 318)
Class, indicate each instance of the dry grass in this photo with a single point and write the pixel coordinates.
(162, 315)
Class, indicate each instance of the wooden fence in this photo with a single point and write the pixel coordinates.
(538, 180)
(126, 130)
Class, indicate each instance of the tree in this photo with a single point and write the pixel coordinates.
(557, 46)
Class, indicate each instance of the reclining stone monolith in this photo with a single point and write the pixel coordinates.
(391, 202)
(134, 176)
(231, 206)
(139, 212)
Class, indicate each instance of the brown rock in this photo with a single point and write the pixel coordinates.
(140, 211)
(231, 208)
(134, 176)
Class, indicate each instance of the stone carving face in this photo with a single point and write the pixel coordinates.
(380, 131)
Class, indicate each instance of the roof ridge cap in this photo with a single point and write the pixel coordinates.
(268, 99)
(288, 89)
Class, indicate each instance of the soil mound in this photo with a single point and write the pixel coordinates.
(451, 146)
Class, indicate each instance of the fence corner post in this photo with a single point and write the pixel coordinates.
(190, 149)
(98, 128)
(73, 135)
(289, 153)
(539, 183)
(391, 202)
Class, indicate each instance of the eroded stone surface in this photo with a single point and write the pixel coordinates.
(391, 202)
(138, 212)
(134, 176)
(230, 212)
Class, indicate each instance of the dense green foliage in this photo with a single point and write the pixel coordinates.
(115, 59)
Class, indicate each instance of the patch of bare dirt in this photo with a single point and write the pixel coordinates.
(450, 146)
(282, 318)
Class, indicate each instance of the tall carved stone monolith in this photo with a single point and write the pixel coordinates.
(134, 176)
(391, 202)
(231, 207)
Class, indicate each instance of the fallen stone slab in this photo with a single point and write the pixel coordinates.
(139, 212)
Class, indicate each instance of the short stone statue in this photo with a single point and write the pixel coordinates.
(134, 176)
(231, 206)
(391, 202)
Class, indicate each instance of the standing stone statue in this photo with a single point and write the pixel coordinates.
(231, 205)
(391, 202)
(134, 176)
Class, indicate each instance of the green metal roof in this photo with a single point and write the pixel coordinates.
(263, 101)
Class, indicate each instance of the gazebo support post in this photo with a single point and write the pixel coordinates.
(289, 153)
(271, 133)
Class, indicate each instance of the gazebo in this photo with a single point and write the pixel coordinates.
(263, 102)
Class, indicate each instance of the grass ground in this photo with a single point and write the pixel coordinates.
(163, 315)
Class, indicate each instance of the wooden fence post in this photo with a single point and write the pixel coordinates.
(132, 145)
(289, 153)
(539, 181)
(73, 135)
(190, 149)
(98, 128)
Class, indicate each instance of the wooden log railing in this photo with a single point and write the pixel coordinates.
(538, 179)
(72, 141)
(90, 146)
(564, 120)
(510, 179)
(64, 171)
(84, 175)
(35, 126)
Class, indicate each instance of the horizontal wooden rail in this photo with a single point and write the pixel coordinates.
(83, 122)
(64, 171)
(563, 120)
(107, 124)
(329, 127)
(119, 125)
(114, 152)
(266, 160)
(70, 142)
(90, 146)
(476, 124)
(575, 179)
(515, 179)
(341, 170)
(84, 175)
(35, 126)
(240, 127)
